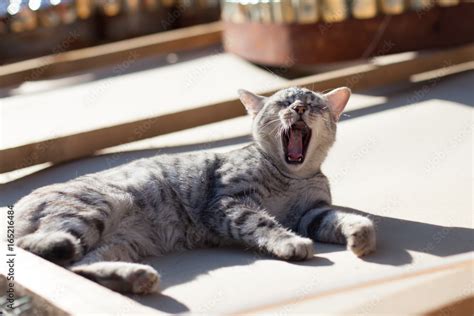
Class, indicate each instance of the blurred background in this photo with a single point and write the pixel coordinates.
(31, 28)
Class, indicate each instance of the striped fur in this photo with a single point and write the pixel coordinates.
(101, 225)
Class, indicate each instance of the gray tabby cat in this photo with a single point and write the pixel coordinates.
(269, 195)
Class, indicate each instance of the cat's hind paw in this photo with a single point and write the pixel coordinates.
(123, 277)
(144, 280)
(294, 248)
(361, 237)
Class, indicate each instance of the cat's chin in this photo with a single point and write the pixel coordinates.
(295, 143)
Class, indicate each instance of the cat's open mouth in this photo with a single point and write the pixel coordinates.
(295, 142)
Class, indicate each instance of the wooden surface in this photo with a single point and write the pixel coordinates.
(300, 44)
(59, 292)
(378, 74)
(69, 147)
(412, 291)
(110, 54)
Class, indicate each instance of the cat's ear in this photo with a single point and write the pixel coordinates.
(252, 102)
(338, 99)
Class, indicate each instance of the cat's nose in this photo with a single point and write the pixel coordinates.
(299, 108)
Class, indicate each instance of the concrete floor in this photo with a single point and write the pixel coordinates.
(403, 155)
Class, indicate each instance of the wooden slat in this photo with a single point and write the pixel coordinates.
(58, 292)
(373, 75)
(457, 268)
(109, 54)
(359, 77)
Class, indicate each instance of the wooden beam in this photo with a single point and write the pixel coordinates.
(373, 75)
(65, 293)
(454, 273)
(110, 54)
(358, 77)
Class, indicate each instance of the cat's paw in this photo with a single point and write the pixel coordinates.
(123, 277)
(361, 237)
(294, 248)
(144, 280)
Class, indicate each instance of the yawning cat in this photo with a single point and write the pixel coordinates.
(269, 195)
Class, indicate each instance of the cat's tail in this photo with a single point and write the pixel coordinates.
(59, 247)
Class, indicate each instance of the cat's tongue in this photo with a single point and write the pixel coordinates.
(295, 145)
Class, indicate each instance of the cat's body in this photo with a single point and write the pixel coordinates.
(150, 207)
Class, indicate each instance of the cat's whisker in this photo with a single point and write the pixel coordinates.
(277, 132)
(270, 123)
(276, 128)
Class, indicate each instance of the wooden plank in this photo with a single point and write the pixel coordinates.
(454, 273)
(462, 307)
(432, 297)
(57, 291)
(372, 74)
(83, 144)
(109, 54)
(358, 77)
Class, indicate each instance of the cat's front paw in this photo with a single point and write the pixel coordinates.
(293, 248)
(361, 237)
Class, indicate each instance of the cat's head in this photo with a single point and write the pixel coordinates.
(296, 126)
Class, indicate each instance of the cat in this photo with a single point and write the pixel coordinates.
(270, 195)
